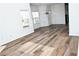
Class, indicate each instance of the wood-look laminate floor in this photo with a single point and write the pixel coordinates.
(47, 41)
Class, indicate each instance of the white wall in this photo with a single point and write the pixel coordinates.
(48, 9)
(58, 13)
(43, 16)
(73, 19)
(11, 22)
(34, 8)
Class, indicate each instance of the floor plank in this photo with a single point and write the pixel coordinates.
(46, 41)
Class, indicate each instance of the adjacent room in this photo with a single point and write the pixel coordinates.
(38, 29)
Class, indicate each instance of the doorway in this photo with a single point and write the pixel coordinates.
(67, 14)
(35, 17)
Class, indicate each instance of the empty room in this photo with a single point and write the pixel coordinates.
(39, 29)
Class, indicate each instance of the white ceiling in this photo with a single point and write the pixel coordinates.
(37, 4)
